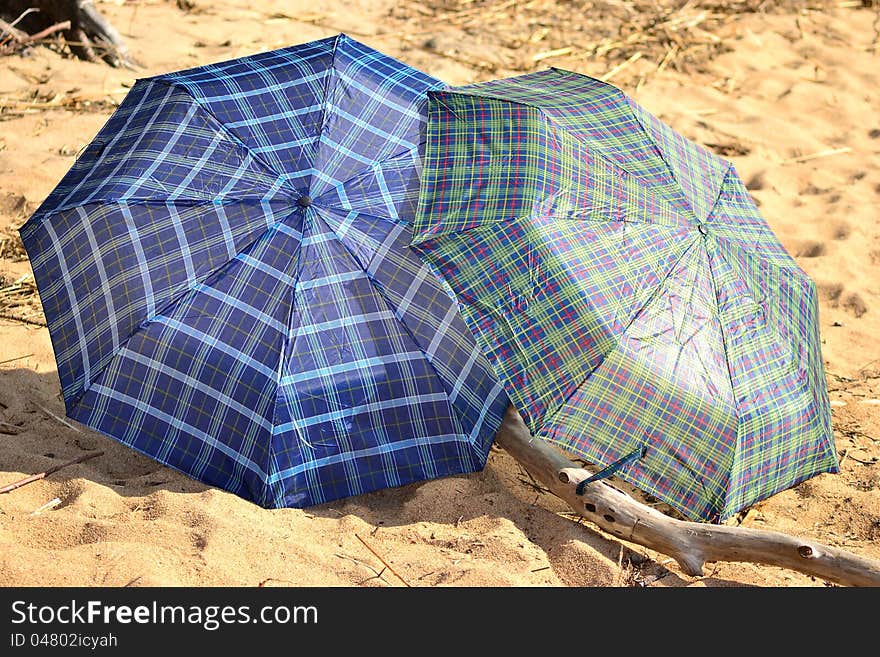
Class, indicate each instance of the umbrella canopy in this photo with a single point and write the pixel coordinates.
(627, 292)
(228, 285)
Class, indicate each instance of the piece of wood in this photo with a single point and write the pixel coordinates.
(691, 544)
(384, 563)
(87, 33)
(12, 360)
(57, 418)
(815, 156)
(23, 320)
(51, 504)
(42, 475)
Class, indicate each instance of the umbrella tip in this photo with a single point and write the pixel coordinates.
(703, 229)
(304, 201)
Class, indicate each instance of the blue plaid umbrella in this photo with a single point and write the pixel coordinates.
(226, 276)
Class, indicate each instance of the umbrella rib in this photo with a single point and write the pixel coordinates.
(173, 301)
(424, 238)
(559, 129)
(736, 411)
(376, 285)
(671, 171)
(219, 125)
(606, 158)
(366, 173)
(341, 39)
(716, 217)
(326, 101)
(793, 274)
(286, 340)
(785, 266)
(783, 259)
(586, 215)
(714, 282)
(798, 285)
(707, 378)
(656, 292)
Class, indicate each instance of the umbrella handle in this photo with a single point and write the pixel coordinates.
(611, 469)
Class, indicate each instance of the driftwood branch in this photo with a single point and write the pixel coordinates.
(691, 544)
(87, 33)
(13, 40)
(42, 475)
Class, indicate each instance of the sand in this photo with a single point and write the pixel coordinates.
(790, 97)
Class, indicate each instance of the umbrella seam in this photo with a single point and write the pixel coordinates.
(645, 133)
(793, 266)
(733, 393)
(284, 343)
(343, 38)
(538, 110)
(378, 287)
(135, 201)
(561, 134)
(232, 136)
(326, 101)
(286, 339)
(548, 417)
(605, 158)
(424, 238)
(790, 265)
(785, 272)
(366, 172)
(170, 303)
(675, 178)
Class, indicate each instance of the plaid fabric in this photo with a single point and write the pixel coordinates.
(625, 289)
(229, 288)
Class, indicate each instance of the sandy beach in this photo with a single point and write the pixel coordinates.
(787, 91)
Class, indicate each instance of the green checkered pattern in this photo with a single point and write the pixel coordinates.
(625, 289)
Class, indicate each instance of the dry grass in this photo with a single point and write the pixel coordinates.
(604, 36)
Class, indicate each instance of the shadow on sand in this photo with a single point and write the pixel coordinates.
(502, 500)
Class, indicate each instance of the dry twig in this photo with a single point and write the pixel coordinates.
(384, 563)
(55, 468)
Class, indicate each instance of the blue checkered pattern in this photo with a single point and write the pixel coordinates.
(229, 289)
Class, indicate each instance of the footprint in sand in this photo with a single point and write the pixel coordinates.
(199, 541)
(810, 249)
(93, 532)
(202, 527)
(814, 190)
(756, 182)
(834, 294)
(841, 230)
(830, 292)
(855, 305)
(151, 507)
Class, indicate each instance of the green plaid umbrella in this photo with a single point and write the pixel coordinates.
(627, 292)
